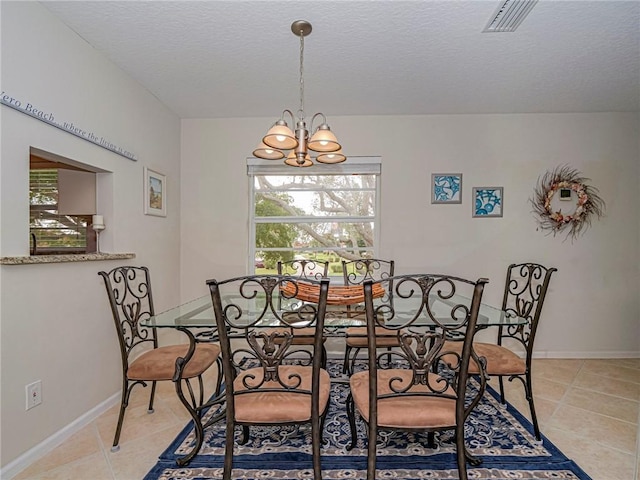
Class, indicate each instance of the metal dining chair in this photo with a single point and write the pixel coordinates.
(303, 269)
(131, 301)
(418, 391)
(525, 290)
(275, 380)
(356, 272)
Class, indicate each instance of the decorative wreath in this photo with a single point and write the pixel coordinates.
(580, 214)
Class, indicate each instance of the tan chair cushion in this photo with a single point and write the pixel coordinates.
(407, 411)
(160, 363)
(500, 360)
(276, 407)
(357, 337)
(301, 336)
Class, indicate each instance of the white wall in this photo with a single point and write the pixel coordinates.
(593, 306)
(56, 323)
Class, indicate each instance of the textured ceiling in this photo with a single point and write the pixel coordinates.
(238, 58)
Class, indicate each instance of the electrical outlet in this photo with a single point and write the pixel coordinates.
(34, 394)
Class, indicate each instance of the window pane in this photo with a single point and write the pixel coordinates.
(311, 182)
(315, 217)
(317, 235)
(266, 262)
(53, 232)
(317, 195)
(43, 187)
(58, 231)
(316, 203)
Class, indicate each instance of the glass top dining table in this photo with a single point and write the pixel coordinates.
(198, 313)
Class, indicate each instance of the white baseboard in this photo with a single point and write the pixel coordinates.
(30, 456)
(589, 355)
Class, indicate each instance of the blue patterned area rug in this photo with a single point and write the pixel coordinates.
(499, 434)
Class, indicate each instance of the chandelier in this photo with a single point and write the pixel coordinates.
(280, 139)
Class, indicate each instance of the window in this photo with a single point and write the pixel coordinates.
(328, 212)
(61, 202)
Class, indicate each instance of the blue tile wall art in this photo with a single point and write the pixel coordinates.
(487, 202)
(446, 188)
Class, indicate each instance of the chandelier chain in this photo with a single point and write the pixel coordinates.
(301, 76)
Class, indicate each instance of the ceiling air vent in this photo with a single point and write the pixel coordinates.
(509, 15)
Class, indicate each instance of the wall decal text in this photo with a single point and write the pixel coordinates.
(69, 127)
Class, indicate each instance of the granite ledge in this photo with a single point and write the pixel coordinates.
(85, 257)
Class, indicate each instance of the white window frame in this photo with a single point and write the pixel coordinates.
(353, 165)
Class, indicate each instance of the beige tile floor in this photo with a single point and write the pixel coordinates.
(588, 408)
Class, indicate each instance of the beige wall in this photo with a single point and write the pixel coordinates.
(593, 306)
(55, 320)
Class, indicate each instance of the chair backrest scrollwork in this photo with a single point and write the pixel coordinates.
(247, 308)
(524, 293)
(356, 272)
(428, 310)
(307, 269)
(129, 292)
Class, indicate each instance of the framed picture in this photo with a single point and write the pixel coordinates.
(446, 188)
(487, 201)
(155, 193)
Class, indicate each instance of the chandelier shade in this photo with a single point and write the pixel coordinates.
(267, 152)
(324, 140)
(280, 138)
(292, 160)
(331, 157)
